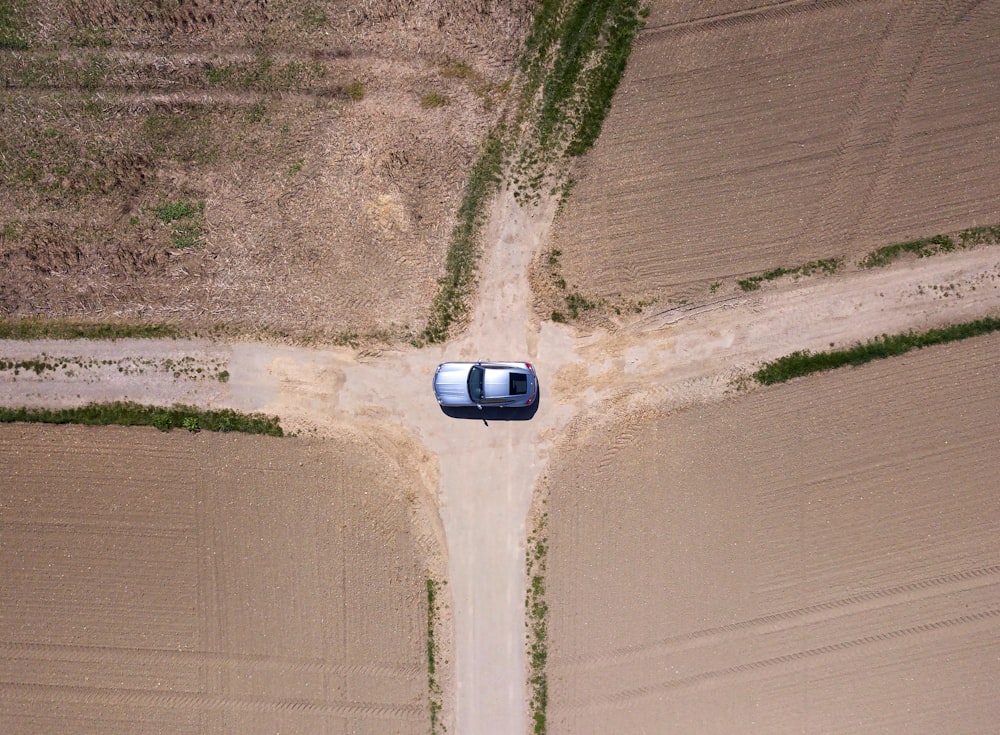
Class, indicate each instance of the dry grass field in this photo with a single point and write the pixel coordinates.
(272, 167)
(208, 583)
(818, 557)
(746, 139)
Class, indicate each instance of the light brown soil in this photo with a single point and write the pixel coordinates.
(325, 216)
(748, 618)
(815, 557)
(745, 139)
(209, 583)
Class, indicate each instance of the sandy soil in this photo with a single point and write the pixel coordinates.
(816, 557)
(209, 583)
(746, 139)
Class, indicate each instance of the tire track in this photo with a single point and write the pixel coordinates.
(628, 697)
(967, 579)
(42, 694)
(852, 195)
(757, 13)
(58, 653)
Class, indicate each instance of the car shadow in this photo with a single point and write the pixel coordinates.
(494, 413)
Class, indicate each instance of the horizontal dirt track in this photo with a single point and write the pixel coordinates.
(816, 557)
(207, 583)
(774, 135)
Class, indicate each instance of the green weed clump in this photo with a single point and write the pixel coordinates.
(577, 303)
(921, 248)
(463, 252)
(828, 265)
(11, 33)
(185, 220)
(432, 100)
(927, 246)
(126, 413)
(804, 362)
(356, 90)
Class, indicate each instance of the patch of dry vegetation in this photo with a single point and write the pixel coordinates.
(324, 144)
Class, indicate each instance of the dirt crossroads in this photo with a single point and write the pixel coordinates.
(487, 470)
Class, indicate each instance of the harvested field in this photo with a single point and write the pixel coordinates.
(208, 583)
(819, 557)
(779, 134)
(267, 168)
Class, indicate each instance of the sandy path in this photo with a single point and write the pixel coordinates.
(487, 472)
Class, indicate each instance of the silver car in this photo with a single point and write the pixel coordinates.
(484, 384)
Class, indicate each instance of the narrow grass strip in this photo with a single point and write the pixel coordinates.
(463, 252)
(36, 328)
(927, 246)
(537, 614)
(827, 265)
(433, 687)
(126, 413)
(804, 362)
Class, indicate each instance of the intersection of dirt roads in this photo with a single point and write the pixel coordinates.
(487, 469)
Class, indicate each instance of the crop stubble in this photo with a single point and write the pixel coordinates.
(820, 557)
(781, 134)
(209, 583)
(327, 207)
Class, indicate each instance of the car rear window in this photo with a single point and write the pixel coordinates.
(518, 384)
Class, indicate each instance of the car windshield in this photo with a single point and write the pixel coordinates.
(476, 383)
(518, 384)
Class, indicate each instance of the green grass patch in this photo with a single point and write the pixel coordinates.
(927, 246)
(37, 328)
(828, 265)
(125, 413)
(185, 222)
(12, 36)
(463, 252)
(432, 100)
(356, 90)
(805, 362)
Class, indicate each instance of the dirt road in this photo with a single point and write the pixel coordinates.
(488, 470)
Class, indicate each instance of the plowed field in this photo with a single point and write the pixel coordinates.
(742, 140)
(817, 557)
(193, 583)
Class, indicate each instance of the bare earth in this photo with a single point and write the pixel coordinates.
(818, 557)
(209, 583)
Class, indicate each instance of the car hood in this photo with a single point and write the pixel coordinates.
(451, 383)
